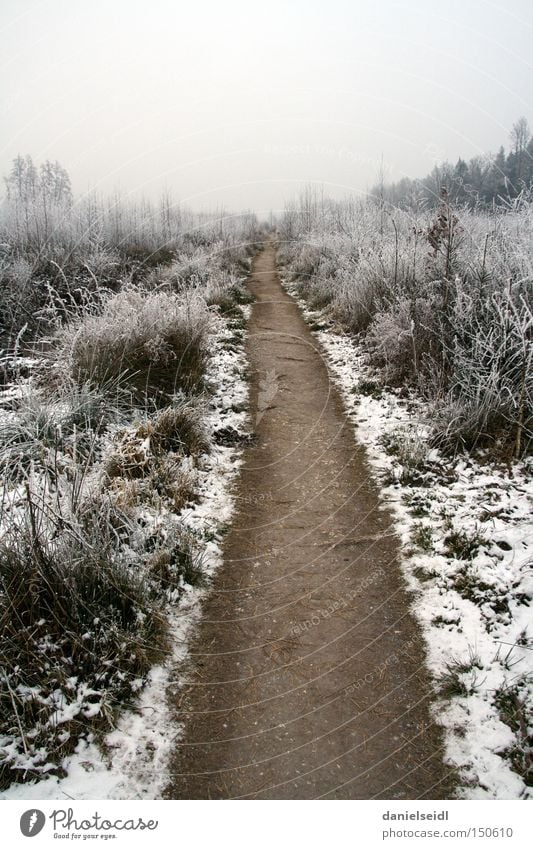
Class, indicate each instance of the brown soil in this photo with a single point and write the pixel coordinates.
(307, 677)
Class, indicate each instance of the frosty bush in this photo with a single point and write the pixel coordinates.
(151, 461)
(45, 430)
(227, 293)
(20, 296)
(354, 309)
(179, 429)
(306, 261)
(403, 337)
(442, 300)
(155, 343)
(410, 449)
(490, 394)
(236, 257)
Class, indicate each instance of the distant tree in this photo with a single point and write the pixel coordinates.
(54, 184)
(479, 169)
(499, 172)
(520, 137)
(21, 182)
(528, 162)
(37, 199)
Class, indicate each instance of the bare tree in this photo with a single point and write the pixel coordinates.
(520, 135)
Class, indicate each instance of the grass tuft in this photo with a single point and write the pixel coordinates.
(155, 344)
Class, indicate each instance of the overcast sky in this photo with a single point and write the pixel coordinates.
(239, 103)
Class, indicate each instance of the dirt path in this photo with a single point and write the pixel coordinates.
(307, 677)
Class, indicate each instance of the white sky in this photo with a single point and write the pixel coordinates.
(239, 103)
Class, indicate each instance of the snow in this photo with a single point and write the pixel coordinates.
(485, 625)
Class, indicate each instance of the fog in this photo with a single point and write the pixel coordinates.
(238, 104)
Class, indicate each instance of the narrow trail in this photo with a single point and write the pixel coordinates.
(307, 676)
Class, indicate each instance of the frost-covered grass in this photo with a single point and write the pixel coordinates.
(467, 534)
(129, 760)
(441, 301)
(114, 489)
(153, 343)
(58, 253)
(80, 629)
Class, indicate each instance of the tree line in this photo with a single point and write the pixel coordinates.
(487, 180)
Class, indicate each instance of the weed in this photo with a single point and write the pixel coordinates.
(410, 450)
(369, 387)
(461, 677)
(422, 574)
(179, 428)
(463, 545)
(422, 537)
(470, 586)
(418, 503)
(174, 559)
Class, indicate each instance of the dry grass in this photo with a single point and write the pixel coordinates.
(154, 343)
(440, 300)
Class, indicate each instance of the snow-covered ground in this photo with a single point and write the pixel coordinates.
(132, 764)
(467, 541)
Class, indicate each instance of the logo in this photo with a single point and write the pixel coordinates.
(32, 822)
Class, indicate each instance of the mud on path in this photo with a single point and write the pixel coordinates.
(307, 676)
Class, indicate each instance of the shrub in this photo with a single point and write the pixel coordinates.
(155, 343)
(174, 559)
(83, 591)
(165, 484)
(441, 301)
(228, 297)
(235, 258)
(354, 307)
(21, 296)
(147, 464)
(306, 262)
(179, 428)
(490, 396)
(401, 338)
